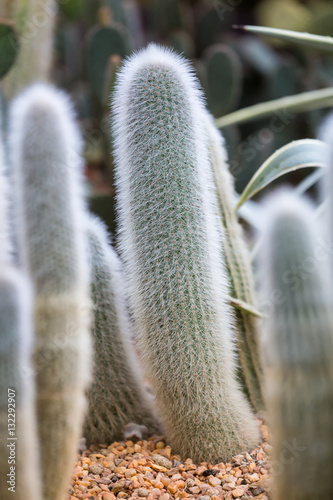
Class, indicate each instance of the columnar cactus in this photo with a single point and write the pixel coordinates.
(52, 249)
(238, 263)
(297, 351)
(170, 242)
(19, 464)
(116, 397)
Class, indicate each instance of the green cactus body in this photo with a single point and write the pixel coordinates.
(116, 397)
(103, 43)
(45, 149)
(238, 263)
(170, 243)
(223, 71)
(297, 351)
(19, 464)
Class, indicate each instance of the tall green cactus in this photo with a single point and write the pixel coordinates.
(170, 242)
(238, 263)
(52, 248)
(19, 464)
(116, 397)
(298, 351)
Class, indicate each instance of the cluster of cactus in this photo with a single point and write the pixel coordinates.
(173, 275)
(77, 321)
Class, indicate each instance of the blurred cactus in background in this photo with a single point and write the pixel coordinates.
(297, 350)
(50, 213)
(19, 450)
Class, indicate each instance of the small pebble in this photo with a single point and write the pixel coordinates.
(214, 481)
(257, 491)
(142, 492)
(96, 469)
(172, 488)
(237, 493)
(162, 461)
(253, 477)
(118, 487)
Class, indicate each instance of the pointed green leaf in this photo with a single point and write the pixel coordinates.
(306, 101)
(243, 306)
(316, 41)
(293, 156)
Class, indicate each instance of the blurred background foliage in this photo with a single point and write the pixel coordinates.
(236, 69)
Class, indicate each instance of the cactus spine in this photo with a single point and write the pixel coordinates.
(45, 149)
(238, 263)
(171, 246)
(19, 464)
(116, 397)
(298, 352)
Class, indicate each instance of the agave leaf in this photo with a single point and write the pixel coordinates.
(316, 41)
(243, 306)
(293, 156)
(306, 101)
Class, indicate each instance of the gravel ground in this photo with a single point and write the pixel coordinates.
(149, 470)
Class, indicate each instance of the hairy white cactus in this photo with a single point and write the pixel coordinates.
(297, 350)
(171, 244)
(19, 451)
(117, 396)
(52, 248)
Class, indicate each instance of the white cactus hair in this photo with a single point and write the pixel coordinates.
(127, 126)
